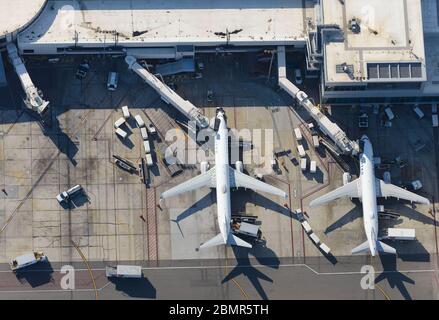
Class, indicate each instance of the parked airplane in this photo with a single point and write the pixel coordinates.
(223, 177)
(367, 188)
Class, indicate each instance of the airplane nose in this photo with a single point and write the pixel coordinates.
(364, 137)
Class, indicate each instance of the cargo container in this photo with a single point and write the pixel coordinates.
(139, 121)
(121, 133)
(119, 122)
(124, 271)
(125, 112)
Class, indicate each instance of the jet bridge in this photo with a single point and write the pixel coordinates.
(167, 94)
(34, 100)
(330, 129)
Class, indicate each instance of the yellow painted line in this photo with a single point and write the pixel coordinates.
(88, 268)
(243, 293)
(383, 292)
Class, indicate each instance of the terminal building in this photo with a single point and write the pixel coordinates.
(364, 51)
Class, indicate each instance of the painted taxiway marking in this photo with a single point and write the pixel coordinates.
(269, 266)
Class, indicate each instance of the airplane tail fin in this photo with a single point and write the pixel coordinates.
(215, 241)
(231, 240)
(361, 248)
(236, 241)
(382, 247)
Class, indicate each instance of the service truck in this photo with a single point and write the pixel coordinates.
(26, 260)
(123, 271)
(66, 195)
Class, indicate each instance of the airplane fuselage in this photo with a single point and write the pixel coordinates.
(222, 176)
(368, 195)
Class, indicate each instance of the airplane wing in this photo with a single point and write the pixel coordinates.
(239, 179)
(206, 179)
(351, 190)
(390, 190)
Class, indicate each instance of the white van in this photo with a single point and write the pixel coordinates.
(144, 133)
(121, 133)
(148, 159)
(418, 111)
(301, 151)
(146, 146)
(313, 167)
(125, 112)
(303, 164)
(389, 113)
(139, 121)
(26, 260)
(119, 122)
(112, 80)
(315, 141)
(298, 134)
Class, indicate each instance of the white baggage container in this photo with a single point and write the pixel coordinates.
(434, 108)
(121, 133)
(301, 151)
(313, 167)
(325, 248)
(298, 134)
(119, 122)
(401, 234)
(125, 112)
(144, 133)
(139, 121)
(314, 238)
(146, 146)
(148, 159)
(303, 164)
(306, 226)
(315, 141)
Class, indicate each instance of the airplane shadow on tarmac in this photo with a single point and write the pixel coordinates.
(239, 198)
(393, 276)
(135, 288)
(36, 275)
(264, 256)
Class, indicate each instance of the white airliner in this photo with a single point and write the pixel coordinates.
(223, 177)
(367, 188)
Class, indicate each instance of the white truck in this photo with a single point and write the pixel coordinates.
(315, 141)
(147, 147)
(144, 133)
(313, 167)
(148, 159)
(66, 195)
(389, 113)
(301, 151)
(400, 234)
(126, 112)
(121, 133)
(26, 260)
(139, 121)
(119, 122)
(303, 164)
(298, 134)
(247, 229)
(418, 111)
(123, 271)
